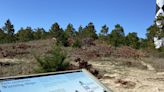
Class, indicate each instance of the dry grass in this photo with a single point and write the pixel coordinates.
(123, 62)
(25, 50)
(157, 63)
(123, 56)
(26, 62)
(21, 67)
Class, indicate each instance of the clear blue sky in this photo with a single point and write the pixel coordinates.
(133, 15)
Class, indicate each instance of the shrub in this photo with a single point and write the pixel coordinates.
(128, 52)
(77, 44)
(55, 61)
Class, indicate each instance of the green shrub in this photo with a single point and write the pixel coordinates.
(54, 61)
(77, 44)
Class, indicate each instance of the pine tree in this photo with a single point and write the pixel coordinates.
(9, 30)
(24, 35)
(89, 31)
(132, 40)
(117, 36)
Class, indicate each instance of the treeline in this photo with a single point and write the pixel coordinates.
(82, 36)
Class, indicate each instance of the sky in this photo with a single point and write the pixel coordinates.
(133, 15)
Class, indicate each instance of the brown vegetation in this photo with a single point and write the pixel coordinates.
(107, 51)
(125, 84)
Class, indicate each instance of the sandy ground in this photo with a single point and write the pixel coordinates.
(119, 78)
(125, 79)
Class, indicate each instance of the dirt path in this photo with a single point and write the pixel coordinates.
(149, 67)
(124, 79)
